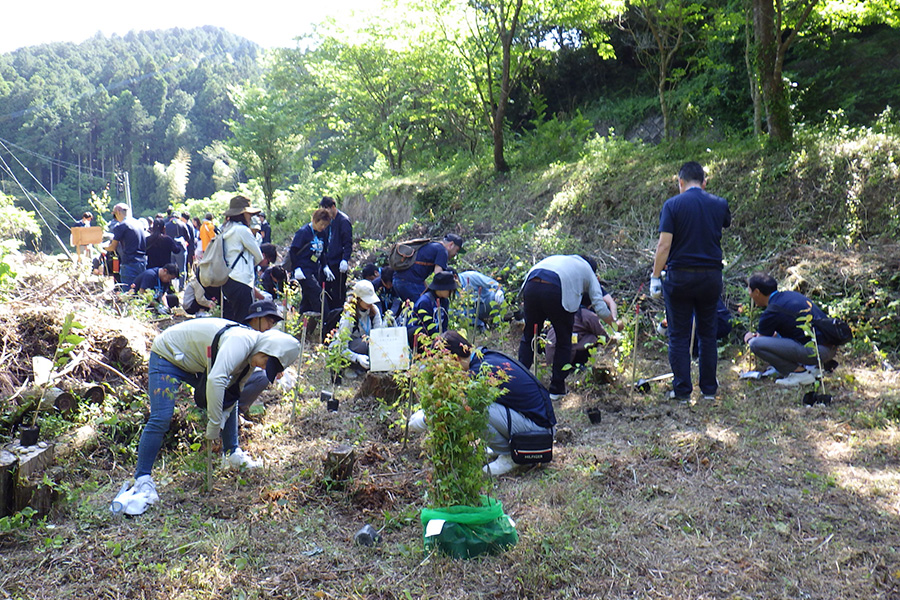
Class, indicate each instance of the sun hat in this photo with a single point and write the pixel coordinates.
(443, 281)
(240, 205)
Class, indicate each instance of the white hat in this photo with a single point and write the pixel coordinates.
(365, 291)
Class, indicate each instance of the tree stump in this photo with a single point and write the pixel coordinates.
(8, 464)
(378, 385)
(339, 464)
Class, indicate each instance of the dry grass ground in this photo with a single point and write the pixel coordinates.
(750, 496)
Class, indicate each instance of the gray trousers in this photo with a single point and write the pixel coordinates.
(499, 430)
(786, 355)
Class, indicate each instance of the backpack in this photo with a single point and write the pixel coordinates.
(402, 255)
(214, 270)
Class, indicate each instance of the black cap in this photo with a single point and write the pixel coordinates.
(263, 308)
(455, 239)
(273, 368)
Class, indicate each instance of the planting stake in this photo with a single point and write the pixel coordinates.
(299, 364)
(534, 345)
(209, 466)
(634, 343)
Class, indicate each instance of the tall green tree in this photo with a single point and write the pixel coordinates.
(265, 137)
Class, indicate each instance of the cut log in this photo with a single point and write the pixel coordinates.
(379, 385)
(8, 464)
(339, 464)
(26, 485)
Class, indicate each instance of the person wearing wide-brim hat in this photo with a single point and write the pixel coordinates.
(242, 254)
(430, 313)
(361, 315)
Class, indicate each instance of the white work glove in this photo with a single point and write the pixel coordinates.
(298, 274)
(329, 276)
(655, 287)
(213, 431)
(499, 297)
(345, 266)
(362, 360)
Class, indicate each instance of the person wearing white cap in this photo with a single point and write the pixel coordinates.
(361, 315)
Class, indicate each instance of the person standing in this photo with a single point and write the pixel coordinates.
(340, 248)
(690, 251)
(160, 247)
(265, 229)
(179, 232)
(129, 241)
(242, 254)
(552, 292)
(191, 244)
(431, 258)
(308, 250)
(207, 232)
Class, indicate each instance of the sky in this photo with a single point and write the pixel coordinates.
(269, 23)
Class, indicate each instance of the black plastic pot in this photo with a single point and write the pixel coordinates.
(325, 396)
(28, 435)
(332, 405)
(812, 398)
(594, 415)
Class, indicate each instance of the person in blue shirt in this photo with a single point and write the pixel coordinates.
(308, 251)
(485, 295)
(265, 228)
(384, 287)
(779, 340)
(129, 241)
(690, 251)
(431, 258)
(528, 402)
(340, 249)
(159, 281)
(430, 314)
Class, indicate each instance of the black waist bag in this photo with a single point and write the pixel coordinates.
(529, 447)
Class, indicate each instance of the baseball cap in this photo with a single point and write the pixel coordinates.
(455, 239)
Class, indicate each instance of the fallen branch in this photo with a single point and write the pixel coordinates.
(117, 372)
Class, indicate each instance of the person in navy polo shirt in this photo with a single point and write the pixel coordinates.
(431, 258)
(337, 255)
(129, 241)
(690, 251)
(779, 341)
(525, 405)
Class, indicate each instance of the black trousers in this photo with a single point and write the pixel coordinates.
(543, 302)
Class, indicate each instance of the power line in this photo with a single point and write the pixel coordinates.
(55, 161)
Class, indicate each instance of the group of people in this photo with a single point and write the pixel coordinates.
(233, 363)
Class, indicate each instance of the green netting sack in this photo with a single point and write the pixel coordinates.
(469, 531)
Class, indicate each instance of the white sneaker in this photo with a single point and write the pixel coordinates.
(417, 422)
(239, 459)
(201, 313)
(136, 500)
(501, 466)
(795, 379)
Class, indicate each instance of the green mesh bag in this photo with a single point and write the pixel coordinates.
(468, 531)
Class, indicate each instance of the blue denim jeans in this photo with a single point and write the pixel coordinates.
(692, 294)
(164, 381)
(129, 272)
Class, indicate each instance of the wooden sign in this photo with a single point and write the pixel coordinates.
(84, 236)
